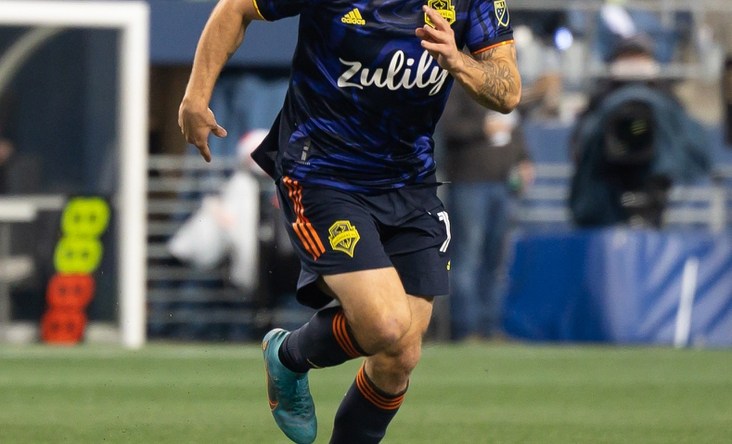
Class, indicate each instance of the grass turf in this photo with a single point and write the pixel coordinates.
(459, 394)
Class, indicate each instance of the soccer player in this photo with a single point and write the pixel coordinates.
(352, 156)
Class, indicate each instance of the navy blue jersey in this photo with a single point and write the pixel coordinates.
(364, 96)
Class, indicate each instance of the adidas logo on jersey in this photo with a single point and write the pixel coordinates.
(353, 18)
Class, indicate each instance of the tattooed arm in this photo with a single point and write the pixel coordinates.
(221, 36)
(491, 77)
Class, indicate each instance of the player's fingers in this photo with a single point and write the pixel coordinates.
(429, 33)
(219, 131)
(431, 47)
(437, 20)
(205, 152)
(434, 46)
(421, 33)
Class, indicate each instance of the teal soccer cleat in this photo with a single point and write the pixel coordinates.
(288, 392)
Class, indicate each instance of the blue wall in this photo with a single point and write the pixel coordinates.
(620, 285)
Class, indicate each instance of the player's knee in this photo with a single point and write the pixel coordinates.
(396, 366)
(389, 330)
(408, 357)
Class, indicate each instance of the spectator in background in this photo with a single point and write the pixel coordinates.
(6, 154)
(235, 223)
(224, 230)
(631, 61)
(7, 149)
(227, 223)
(487, 164)
(539, 58)
(19, 173)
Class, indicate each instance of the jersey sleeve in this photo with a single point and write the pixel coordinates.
(490, 25)
(272, 10)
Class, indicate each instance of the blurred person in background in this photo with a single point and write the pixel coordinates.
(7, 148)
(352, 153)
(541, 38)
(633, 141)
(225, 231)
(20, 172)
(487, 166)
(6, 154)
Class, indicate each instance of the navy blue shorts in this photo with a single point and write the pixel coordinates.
(336, 231)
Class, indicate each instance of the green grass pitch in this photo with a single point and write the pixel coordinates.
(505, 393)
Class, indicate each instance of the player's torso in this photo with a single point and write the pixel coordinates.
(368, 50)
(365, 96)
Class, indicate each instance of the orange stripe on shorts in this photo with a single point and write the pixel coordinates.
(303, 228)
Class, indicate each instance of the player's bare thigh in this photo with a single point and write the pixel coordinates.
(375, 304)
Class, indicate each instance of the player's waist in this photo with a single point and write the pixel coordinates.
(361, 179)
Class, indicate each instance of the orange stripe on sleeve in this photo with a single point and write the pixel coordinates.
(487, 48)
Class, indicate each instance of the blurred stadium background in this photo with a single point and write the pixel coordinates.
(88, 102)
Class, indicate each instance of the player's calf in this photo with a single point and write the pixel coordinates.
(325, 341)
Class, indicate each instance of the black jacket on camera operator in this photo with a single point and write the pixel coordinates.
(631, 144)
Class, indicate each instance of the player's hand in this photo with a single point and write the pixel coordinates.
(196, 123)
(440, 40)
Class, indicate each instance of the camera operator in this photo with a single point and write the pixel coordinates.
(632, 143)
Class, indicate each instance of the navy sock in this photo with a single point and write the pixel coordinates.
(324, 341)
(364, 413)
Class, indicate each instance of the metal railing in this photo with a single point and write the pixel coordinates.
(184, 301)
(702, 206)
